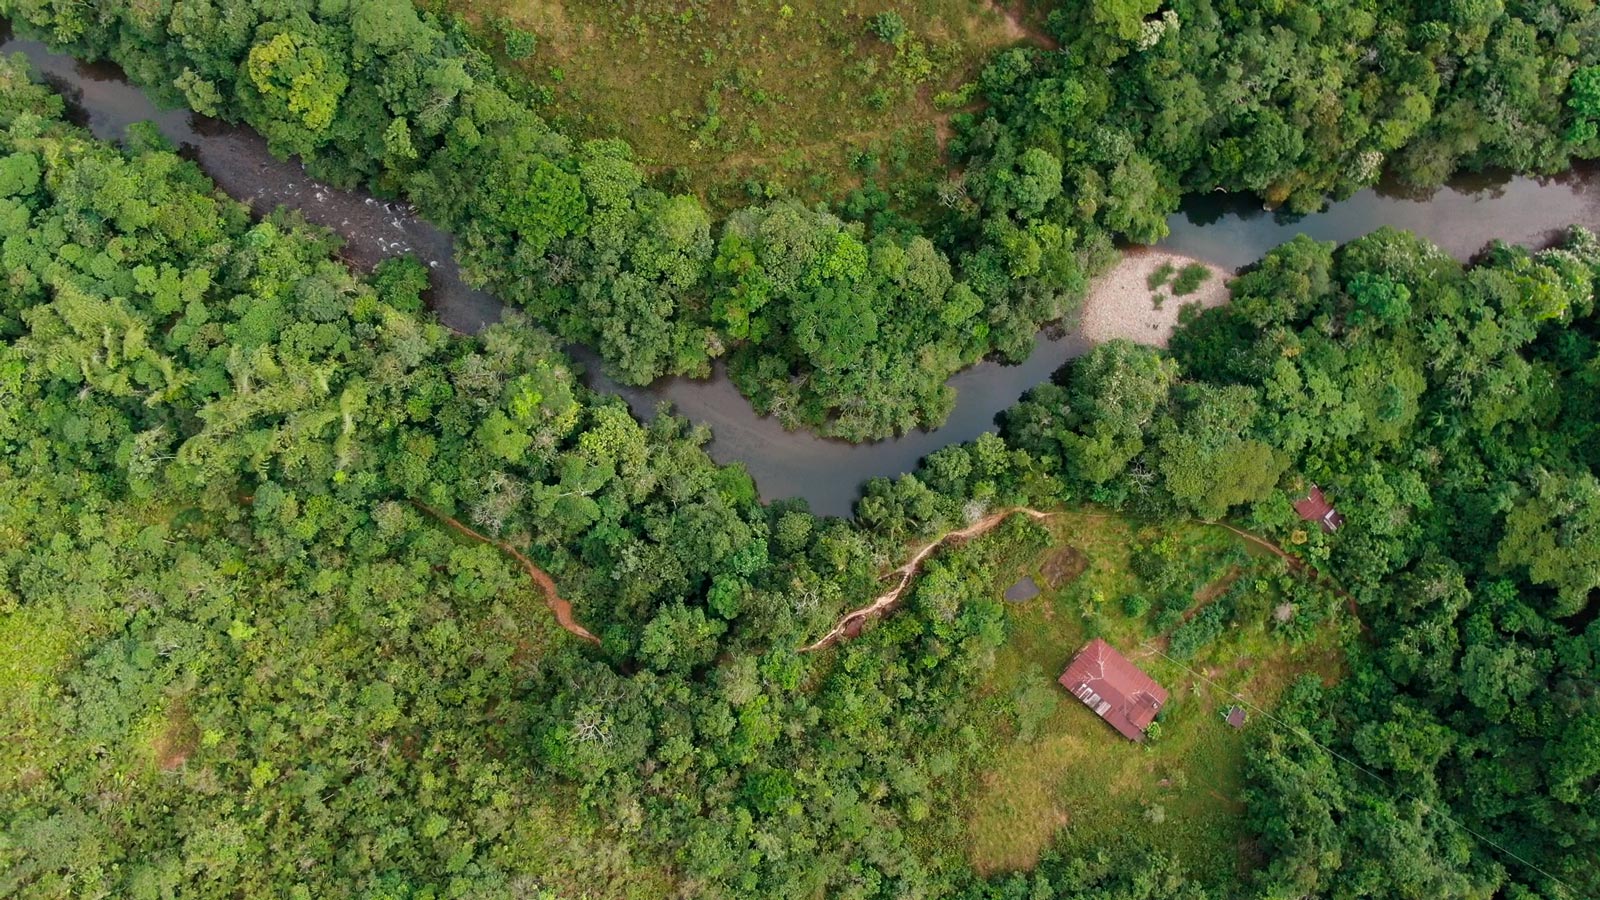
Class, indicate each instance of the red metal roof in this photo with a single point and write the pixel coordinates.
(1114, 688)
(1314, 507)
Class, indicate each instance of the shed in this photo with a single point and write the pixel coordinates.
(1236, 716)
(1116, 689)
(1314, 507)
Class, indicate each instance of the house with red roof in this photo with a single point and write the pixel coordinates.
(1314, 507)
(1114, 688)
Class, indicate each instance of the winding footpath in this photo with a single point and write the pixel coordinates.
(851, 622)
(1304, 568)
(561, 607)
(856, 618)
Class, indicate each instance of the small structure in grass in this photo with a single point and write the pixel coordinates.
(1235, 717)
(1022, 591)
(1116, 689)
(1314, 507)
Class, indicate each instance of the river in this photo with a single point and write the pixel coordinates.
(1226, 230)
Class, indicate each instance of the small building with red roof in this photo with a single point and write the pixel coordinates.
(1114, 688)
(1314, 507)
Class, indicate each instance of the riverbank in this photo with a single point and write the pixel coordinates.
(1225, 230)
(1121, 303)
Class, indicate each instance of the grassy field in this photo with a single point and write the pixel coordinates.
(735, 99)
(1061, 774)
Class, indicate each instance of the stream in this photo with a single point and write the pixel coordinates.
(1227, 230)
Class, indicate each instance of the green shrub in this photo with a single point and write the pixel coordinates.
(1168, 619)
(1136, 605)
(1189, 279)
(520, 44)
(888, 26)
(961, 96)
(1160, 275)
(1206, 626)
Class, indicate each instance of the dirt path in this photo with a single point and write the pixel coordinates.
(856, 618)
(1017, 29)
(1301, 566)
(552, 598)
(850, 623)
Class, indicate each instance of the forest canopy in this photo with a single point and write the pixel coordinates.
(242, 658)
(1073, 149)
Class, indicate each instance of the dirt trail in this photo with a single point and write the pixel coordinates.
(552, 598)
(851, 622)
(856, 618)
(1301, 566)
(1017, 29)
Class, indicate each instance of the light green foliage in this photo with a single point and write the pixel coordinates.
(1584, 101)
(1074, 150)
(214, 433)
(19, 174)
(1555, 532)
(301, 84)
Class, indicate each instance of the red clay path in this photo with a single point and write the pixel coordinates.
(552, 598)
(850, 624)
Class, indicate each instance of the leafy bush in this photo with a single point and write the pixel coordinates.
(1204, 627)
(1160, 275)
(1136, 605)
(1167, 619)
(519, 44)
(1189, 279)
(888, 26)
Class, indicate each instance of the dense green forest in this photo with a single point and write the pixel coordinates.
(849, 321)
(240, 660)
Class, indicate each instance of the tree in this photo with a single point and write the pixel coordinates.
(299, 82)
(1113, 398)
(1203, 453)
(1554, 532)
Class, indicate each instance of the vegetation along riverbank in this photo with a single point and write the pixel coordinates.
(346, 688)
(850, 322)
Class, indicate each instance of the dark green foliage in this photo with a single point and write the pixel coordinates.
(211, 431)
(1077, 148)
(1189, 279)
(1464, 472)
(214, 436)
(1201, 629)
(1160, 276)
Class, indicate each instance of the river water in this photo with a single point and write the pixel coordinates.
(1226, 230)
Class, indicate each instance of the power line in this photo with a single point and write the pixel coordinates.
(1306, 735)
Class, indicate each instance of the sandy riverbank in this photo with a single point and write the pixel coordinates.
(1121, 305)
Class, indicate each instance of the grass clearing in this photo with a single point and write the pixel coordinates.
(36, 642)
(739, 99)
(1059, 773)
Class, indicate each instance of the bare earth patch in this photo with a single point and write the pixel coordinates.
(1122, 305)
(1063, 566)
